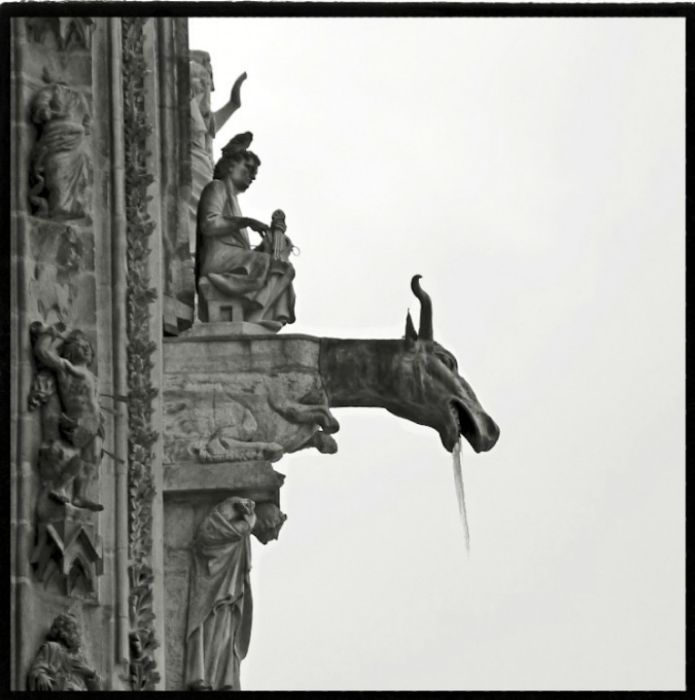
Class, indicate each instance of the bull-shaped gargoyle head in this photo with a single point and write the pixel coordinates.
(430, 390)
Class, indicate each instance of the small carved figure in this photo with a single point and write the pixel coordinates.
(60, 663)
(73, 430)
(60, 162)
(219, 602)
(255, 283)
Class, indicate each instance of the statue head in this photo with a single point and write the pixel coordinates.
(431, 392)
(77, 349)
(269, 521)
(238, 163)
(65, 631)
(201, 72)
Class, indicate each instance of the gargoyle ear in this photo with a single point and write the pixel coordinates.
(410, 332)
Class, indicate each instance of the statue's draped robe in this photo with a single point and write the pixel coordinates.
(264, 284)
(220, 604)
(55, 662)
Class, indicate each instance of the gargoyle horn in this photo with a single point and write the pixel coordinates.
(425, 332)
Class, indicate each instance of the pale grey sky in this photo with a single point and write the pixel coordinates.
(532, 170)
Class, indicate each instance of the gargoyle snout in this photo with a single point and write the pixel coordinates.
(489, 433)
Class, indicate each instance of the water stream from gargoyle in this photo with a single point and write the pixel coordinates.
(460, 496)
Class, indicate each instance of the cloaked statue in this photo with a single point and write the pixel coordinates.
(235, 281)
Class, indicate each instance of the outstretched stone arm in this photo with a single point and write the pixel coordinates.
(222, 115)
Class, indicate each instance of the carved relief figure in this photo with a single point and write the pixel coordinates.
(60, 663)
(220, 603)
(60, 162)
(72, 423)
(255, 283)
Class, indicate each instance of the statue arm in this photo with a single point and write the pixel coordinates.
(46, 350)
(213, 222)
(221, 116)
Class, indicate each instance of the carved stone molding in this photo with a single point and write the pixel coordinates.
(61, 162)
(137, 127)
(69, 32)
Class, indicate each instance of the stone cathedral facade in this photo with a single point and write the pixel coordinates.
(154, 387)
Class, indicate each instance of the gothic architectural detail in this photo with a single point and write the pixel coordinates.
(66, 539)
(60, 663)
(69, 32)
(218, 629)
(141, 392)
(61, 169)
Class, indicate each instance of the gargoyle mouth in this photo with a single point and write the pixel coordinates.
(480, 430)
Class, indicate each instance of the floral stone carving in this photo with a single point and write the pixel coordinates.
(61, 167)
(60, 663)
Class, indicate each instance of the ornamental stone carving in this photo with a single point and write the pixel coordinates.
(61, 167)
(220, 607)
(60, 663)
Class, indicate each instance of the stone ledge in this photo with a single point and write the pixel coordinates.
(225, 476)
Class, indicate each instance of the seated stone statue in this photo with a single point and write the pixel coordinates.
(235, 281)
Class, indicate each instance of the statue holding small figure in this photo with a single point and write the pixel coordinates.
(235, 281)
(72, 423)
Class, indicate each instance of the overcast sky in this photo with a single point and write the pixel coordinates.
(532, 170)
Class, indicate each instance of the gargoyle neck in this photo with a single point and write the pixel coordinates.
(359, 372)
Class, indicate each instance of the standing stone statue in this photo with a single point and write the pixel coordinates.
(220, 604)
(205, 124)
(60, 161)
(60, 663)
(66, 389)
(235, 281)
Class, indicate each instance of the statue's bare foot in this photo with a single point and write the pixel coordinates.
(87, 504)
(199, 685)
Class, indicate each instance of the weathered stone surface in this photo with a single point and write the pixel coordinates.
(250, 478)
(243, 399)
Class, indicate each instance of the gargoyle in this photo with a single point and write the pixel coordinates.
(414, 378)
